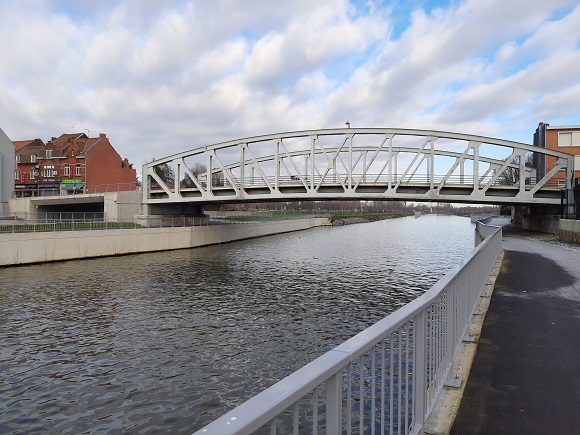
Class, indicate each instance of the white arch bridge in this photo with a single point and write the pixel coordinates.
(359, 164)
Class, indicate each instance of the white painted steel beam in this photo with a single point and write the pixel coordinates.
(358, 164)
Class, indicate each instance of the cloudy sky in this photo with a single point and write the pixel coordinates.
(163, 76)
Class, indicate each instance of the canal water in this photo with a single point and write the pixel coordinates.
(166, 342)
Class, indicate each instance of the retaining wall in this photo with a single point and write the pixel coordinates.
(27, 248)
(569, 230)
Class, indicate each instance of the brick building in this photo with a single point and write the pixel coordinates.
(71, 163)
(564, 138)
(26, 166)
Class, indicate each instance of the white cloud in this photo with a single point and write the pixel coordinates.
(163, 76)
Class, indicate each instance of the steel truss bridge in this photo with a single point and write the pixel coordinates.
(358, 164)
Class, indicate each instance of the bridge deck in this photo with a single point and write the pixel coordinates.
(369, 191)
(526, 374)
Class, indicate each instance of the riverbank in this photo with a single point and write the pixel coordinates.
(28, 248)
(352, 218)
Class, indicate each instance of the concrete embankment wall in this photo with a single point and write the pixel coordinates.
(569, 231)
(26, 248)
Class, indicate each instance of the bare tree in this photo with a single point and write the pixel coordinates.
(196, 170)
(165, 172)
(511, 176)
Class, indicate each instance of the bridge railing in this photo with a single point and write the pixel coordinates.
(49, 221)
(385, 379)
(364, 180)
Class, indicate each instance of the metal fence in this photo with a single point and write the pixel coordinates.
(42, 222)
(50, 217)
(384, 380)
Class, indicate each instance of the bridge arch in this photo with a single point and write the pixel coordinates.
(356, 164)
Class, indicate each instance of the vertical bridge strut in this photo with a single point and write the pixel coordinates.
(357, 164)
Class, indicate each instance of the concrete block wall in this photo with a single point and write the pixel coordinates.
(569, 231)
(28, 248)
(122, 206)
(6, 171)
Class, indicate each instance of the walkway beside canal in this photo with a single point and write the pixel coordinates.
(525, 378)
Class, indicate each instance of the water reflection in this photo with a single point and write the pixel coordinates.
(168, 341)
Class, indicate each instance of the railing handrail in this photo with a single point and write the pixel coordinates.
(262, 408)
(39, 222)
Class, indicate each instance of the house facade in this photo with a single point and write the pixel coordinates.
(564, 138)
(70, 164)
(26, 166)
(6, 171)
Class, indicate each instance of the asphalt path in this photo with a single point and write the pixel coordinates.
(525, 378)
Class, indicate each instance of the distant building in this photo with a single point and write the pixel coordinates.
(26, 166)
(6, 171)
(564, 138)
(71, 163)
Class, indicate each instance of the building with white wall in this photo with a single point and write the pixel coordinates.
(6, 171)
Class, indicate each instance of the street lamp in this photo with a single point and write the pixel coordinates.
(347, 124)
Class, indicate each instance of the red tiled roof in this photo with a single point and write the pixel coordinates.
(62, 141)
(19, 144)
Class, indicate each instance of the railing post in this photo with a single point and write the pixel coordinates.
(451, 330)
(420, 369)
(334, 404)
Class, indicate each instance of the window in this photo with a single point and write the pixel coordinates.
(33, 158)
(67, 170)
(78, 170)
(17, 158)
(569, 139)
(72, 153)
(49, 154)
(48, 171)
(17, 174)
(576, 163)
(32, 174)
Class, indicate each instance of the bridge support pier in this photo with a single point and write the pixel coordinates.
(543, 218)
(171, 213)
(176, 209)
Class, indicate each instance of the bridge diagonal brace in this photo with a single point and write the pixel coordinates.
(151, 173)
(226, 173)
(300, 175)
(192, 177)
(423, 158)
(546, 177)
(372, 160)
(335, 156)
(327, 170)
(501, 170)
(391, 156)
(257, 166)
(491, 167)
(459, 160)
(419, 152)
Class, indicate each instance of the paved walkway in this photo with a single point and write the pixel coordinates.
(526, 375)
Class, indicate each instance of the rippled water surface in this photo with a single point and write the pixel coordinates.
(167, 342)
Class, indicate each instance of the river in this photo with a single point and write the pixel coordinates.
(166, 342)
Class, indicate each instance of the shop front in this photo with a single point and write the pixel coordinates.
(72, 187)
(25, 190)
(49, 188)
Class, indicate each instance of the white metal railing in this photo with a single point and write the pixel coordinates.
(387, 378)
(49, 221)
